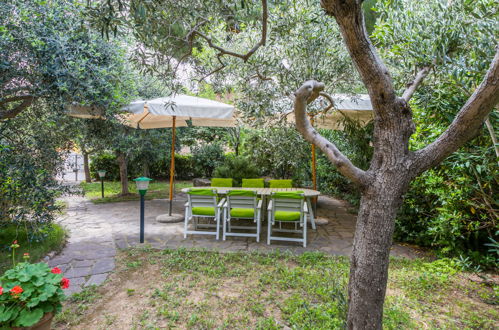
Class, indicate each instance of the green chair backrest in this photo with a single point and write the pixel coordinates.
(201, 197)
(253, 183)
(289, 201)
(202, 192)
(221, 182)
(281, 183)
(241, 199)
(289, 194)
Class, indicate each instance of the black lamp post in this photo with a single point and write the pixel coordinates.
(142, 185)
(102, 174)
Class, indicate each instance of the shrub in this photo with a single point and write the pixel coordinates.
(107, 162)
(237, 168)
(206, 158)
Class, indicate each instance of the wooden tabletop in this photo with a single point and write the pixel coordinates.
(261, 191)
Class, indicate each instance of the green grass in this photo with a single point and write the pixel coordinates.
(48, 238)
(200, 289)
(112, 190)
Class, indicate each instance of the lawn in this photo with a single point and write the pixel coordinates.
(38, 243)
(112, 190)
(197, 289)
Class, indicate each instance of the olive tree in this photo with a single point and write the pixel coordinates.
(229, 33)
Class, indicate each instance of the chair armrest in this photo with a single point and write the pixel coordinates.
(221, 203)
(259, 206)
(269, 208)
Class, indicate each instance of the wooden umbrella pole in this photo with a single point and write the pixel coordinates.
(172, 165)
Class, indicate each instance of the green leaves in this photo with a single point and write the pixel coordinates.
(28, 317)
(41, 293)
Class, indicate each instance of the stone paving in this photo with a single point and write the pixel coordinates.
(96, 231)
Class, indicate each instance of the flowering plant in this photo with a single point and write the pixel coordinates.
(29, 291)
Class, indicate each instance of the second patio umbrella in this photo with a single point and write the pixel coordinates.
(173, 112)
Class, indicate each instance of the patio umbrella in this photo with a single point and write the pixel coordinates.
(173, 112)
(356, 107)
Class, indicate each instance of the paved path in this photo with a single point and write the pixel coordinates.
(97, 230)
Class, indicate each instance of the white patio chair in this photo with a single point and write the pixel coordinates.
(287, 207)
(242, 204)
(202, 203)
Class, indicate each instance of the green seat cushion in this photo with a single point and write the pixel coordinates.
(201, 191)
(286, 216)
(281, 183)
(242, 213)
(288, 194)
(253, 183)
(221, 182)
(203, 210)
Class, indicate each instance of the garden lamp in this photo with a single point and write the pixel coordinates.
(102, 174)
(142, 185)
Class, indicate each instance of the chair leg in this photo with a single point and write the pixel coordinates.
(258, 224)
(224, 226)
(217, 233)
(305, 232)
(186, 222)
(269, 231)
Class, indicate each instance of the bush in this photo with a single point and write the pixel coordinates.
(206, 158)
(27, 188)
(184, 168)
(237, 168)
(107, 162)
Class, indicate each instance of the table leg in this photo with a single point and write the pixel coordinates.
(312, 218)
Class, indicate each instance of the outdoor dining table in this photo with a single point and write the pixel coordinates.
(266, 192)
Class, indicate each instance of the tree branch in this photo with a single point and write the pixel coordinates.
(467, 122)
(374, 74)
(413, 85)
(306, 94)
(27, 100)
(222, 65)
(244, 57)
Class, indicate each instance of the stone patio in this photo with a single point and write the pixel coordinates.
(97, 230)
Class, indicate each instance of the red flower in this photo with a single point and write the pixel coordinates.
(1, 290)
(64, 283)
(16, 290)
(56, 270)
(15, 242)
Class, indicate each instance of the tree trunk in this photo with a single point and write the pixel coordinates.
(372, 242)
(86, 167)
(122, 162)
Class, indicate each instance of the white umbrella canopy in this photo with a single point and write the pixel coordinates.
(173, 112)
(356, 107)
(159, 113)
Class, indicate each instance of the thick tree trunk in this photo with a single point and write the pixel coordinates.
(86, 167)
(122, 162)
(370, 257)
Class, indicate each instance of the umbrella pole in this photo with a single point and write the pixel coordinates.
(172, 166)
